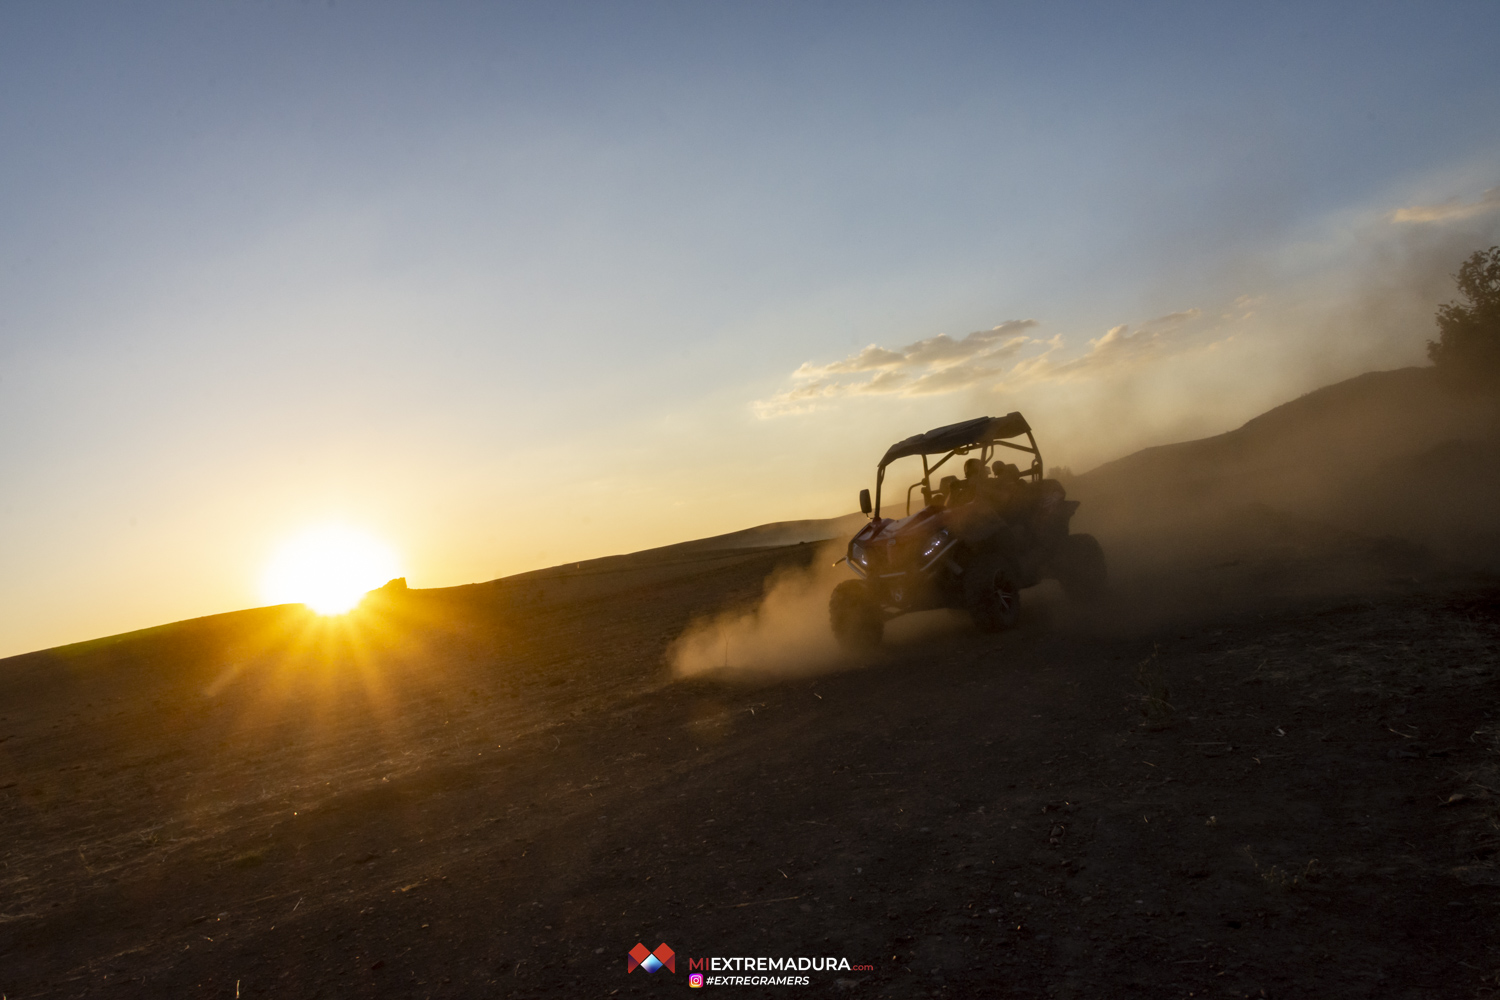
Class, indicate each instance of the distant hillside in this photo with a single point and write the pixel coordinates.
(614, 574)
(1353, 423)
(770, 535)
(1394, 452)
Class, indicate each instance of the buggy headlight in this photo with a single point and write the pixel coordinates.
(937, 542)
(857, 554)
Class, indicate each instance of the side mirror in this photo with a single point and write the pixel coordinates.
(864, 502)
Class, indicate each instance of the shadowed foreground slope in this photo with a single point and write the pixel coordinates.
(499, 797)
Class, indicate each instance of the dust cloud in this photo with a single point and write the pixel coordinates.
(785, 634)
(1268, 328)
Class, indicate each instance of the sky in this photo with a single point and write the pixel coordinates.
(510, 285)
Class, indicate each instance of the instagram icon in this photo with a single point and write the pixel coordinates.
(696, 980)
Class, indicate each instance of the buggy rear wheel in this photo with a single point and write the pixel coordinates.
(991, 592)
(858, 623)
(1081, 568)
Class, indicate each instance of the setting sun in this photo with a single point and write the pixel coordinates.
(328, 568)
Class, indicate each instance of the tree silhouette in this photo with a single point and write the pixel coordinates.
(1468, 344)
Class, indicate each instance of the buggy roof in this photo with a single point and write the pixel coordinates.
(980, 430)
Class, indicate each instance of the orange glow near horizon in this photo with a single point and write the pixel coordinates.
(328, 568)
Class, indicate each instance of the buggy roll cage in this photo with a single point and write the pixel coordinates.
(984, 433)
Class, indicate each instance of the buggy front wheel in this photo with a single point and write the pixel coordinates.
(991, 593)
(858, 623)
(1081, 569)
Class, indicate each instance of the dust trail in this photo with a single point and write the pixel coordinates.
(785, 634)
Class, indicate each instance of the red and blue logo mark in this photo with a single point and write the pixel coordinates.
(651, 961)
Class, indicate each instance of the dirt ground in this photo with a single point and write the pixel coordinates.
(1271, 772)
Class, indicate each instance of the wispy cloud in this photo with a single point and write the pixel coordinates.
(934, 365)
(1118, 350)
(936, 353)
(1002, 356)
(1119, 347)
(1450, 211)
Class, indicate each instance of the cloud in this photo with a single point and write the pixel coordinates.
(1116, 350)
(936, 352)
(1450, 211)
(1172, 321)
(1003, 355)
(934, 365)
(1119, 346)
(870, 359)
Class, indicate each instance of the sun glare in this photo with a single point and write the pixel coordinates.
(329, 569)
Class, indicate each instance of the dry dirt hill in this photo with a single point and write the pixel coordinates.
(1273, 774)
(1394, 453)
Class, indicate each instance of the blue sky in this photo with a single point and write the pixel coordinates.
(509, 285)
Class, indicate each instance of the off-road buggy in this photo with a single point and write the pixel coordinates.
(976, 542)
